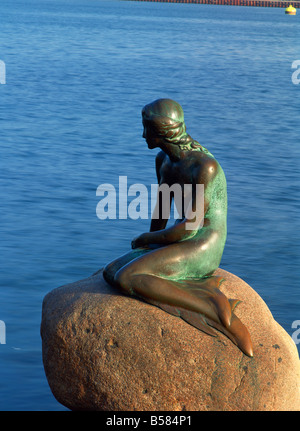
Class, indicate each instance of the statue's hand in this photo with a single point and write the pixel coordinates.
(139, 241)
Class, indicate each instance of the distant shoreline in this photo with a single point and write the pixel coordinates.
(255, 3)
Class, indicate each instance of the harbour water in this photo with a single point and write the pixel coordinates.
(78, 73)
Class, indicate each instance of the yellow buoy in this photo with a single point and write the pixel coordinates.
(290, 10)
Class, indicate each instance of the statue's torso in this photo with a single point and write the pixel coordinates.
(187, 171)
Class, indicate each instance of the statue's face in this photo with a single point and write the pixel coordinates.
(152, 139)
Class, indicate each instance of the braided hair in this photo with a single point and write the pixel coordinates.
(166, 119)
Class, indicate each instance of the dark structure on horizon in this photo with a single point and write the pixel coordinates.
(255, 3)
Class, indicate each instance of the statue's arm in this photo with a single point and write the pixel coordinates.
(157, 221)
(166, 236)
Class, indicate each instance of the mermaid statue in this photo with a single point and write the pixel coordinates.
(173, 267)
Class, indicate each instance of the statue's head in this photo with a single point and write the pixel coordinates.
(165, 119)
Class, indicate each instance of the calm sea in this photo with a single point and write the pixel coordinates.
(77, 75)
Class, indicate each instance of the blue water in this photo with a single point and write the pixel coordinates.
(77, 75)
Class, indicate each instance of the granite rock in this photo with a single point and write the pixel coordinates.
(109, 352)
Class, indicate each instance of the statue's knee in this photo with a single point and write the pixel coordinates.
(108, 273)
(122, 279)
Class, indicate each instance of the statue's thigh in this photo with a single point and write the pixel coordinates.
(170, 261)
(114, 266)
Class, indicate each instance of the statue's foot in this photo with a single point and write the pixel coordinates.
(208, 288)
(216, 304)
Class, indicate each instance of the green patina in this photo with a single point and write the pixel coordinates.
(173, 267)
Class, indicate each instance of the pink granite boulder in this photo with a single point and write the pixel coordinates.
(105, 351)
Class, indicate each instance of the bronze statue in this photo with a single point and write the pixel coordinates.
(172, 267)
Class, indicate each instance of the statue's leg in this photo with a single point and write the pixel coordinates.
(159, 275)
(114, 266)
(156, 277)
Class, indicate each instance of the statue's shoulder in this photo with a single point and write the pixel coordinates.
(207, 165)
(206, 160)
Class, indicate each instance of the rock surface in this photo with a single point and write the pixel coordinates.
(104, 351)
